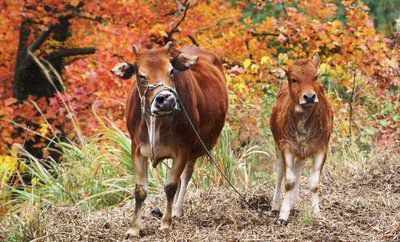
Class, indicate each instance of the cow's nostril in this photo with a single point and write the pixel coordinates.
(160, 98)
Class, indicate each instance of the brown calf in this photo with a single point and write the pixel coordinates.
(157, 125)
(301, 123)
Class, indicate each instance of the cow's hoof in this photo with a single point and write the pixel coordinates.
(156, 212)
(165, 225)
(132, 233)
(281, 222)
(176, 213)
(274, 213)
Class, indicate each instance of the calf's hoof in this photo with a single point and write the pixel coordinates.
(282, 222)
(132, 233)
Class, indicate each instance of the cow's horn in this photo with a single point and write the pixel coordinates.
(168, 46)
(135, 49)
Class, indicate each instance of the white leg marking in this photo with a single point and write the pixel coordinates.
(277, 200)
(318, 161)
(290, 179)
(298, 170)
(185, 178)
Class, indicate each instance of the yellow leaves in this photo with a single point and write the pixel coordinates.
(323, 68)
(254, 67)
(246, 64)
(336, 24)
(228, 79)
(44, 129)
(8, 164)
(266, 60)
(282, 58)
(163, 33)
(74, 3)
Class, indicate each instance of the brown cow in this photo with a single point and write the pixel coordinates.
(301, 123)
(157, 125)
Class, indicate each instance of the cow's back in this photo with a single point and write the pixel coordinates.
(212, 96)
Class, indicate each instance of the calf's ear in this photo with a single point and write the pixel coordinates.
(123, 70)
(182, 62)
(279, 73)
(316, 60)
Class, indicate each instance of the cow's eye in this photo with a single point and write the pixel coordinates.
(171, 72)
(315, 78)
(142, 77)
(294, 80)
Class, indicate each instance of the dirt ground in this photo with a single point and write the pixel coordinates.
(361, 205)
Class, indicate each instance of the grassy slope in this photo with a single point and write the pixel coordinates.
(88, 197)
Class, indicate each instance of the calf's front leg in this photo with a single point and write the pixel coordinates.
(277, 200)
(290, 180)
(318, 162)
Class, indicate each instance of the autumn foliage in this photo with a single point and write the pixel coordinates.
(359, 66)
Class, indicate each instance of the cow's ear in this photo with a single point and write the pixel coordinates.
(315, 60)
(279, 73)
(123, 70)
(183, 61)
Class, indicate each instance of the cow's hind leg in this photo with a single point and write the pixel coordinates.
(170, 188)
(140, 165)
(290, 181)
(318, 162)
(277, 200)
(185, 178)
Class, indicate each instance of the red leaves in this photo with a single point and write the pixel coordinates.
(9, 101)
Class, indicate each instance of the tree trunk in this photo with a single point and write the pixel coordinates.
(28, 78)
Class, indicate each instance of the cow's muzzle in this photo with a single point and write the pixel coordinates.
(163, 103)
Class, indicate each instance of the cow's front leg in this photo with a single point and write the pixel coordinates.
(318, 162)
(290, 181)
(140, 166)
(170, 188)
(185, 178)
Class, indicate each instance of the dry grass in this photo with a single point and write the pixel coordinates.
(363, 204)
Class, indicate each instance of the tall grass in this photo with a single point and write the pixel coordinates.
(100, 172)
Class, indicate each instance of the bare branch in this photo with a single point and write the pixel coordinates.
(39, 41)
(175, 28)
(263, 34)
(50, 28)
(220, 22)
(71, 52)
(193, 40)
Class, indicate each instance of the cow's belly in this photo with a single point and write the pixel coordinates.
(158, 152)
